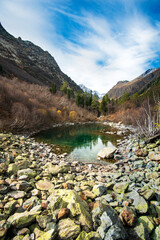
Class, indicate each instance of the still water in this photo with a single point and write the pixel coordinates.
(82, 142)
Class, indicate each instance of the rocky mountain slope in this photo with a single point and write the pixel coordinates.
(29, 62)
(138, 84)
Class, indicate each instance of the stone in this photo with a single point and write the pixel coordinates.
(148, 194)
(88, 236)
(67, 229)
(152, 175)
(10, 207)
(54, 170)
(153, 156)
(140, 232)
(147, 222)
(139, 202)
(30, 203)
(121, 187)
(24, 219)
(99, 190)
(44, 185)
(128, 216)
(43, 220)
(4, 226)
(29, 172)
(16, 194)
(107, 152)
(106, 217)
(24, 186)
(114, 233)
(156, 233)
(50, 235)
(3, 189)
(76, 205)
(63, 213)
(88, 194)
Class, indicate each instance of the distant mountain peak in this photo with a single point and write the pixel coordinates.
(143, 81)
(85, 89)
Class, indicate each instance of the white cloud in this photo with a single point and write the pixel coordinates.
(125, 53)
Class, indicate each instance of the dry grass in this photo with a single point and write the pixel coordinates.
(28, 107)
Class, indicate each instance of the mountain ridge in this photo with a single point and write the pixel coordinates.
(30, 63)
(136, 85)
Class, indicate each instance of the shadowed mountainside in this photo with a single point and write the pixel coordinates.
(29, 62)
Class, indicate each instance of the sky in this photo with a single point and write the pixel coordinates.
(95, 42)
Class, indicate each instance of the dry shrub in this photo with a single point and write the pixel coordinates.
(28, 107)
(126, 116)
(73, 115)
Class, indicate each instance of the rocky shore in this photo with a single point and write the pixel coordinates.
(43, 196)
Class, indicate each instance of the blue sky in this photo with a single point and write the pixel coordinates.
(95, 42)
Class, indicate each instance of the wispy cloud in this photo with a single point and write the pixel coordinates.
(99, 50)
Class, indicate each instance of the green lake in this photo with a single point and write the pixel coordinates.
(81, 142)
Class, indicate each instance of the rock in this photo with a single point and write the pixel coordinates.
(99, 190)
(152, 175)
(153, 156)
(43, 220)
(63, 213)
(107, 152)
(24, 219)
(88, 194)
(139, 202)
(3, 189)
(128, 216)
(148, 194)
(88, 236)
(156, 233)
(30, 203)
(139, 232)
(50, 235)
(10, 207)
(4, 226)
(44, 185)
(121, 187)
(109, 222)
(28, 172)
(67, 229)
(147, 222)
(16, 194)
(114, 233)
(77, 206)
(23, 231)
(54, 170)
(24, 186)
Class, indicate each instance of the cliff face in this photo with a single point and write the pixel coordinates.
(29, 62)
(136, 85)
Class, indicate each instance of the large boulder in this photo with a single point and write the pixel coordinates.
(107, 222)
(107, 153)
(78, 208)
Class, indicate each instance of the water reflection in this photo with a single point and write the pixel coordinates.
(82, 142)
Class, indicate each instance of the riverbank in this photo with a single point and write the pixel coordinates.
(44, 196)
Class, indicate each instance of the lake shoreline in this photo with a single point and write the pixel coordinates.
(49, 192)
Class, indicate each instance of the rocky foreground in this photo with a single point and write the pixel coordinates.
(44, 196)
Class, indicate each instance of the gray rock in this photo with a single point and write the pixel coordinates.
(107, 152)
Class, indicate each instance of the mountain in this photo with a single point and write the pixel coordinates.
(30, 63)
(85, 89)
(138, 84)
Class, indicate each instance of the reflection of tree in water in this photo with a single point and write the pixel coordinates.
(108, 138)
(76, 136)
